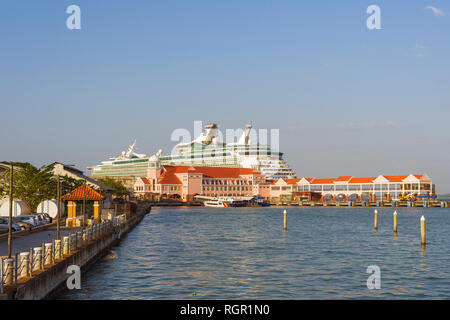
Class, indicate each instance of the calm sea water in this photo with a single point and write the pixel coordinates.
(243, 253)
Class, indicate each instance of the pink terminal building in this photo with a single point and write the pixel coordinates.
(185, 182)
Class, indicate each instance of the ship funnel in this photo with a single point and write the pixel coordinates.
(210, 132)
(245, 138)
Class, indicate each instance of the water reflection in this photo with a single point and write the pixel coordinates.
(244, 254)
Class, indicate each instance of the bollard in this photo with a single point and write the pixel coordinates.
(2, 288)
(66, 245)
(375, 221)
(53, 252)
(48, 254)
(395, 221)
(79, 239)
(58, 255)
(43, 257)
(72, 242)
(284, 220)
(24, 263)
(37, 259)
(422, 231)
(8, 271)
(16, 267)
(30, 267)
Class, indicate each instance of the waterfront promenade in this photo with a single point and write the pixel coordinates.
(24, 242)
(43, 272)
(199, 253)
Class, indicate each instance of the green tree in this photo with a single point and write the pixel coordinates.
(68, 184)
(31, 184)
(120, 191)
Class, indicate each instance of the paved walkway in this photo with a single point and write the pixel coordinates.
(25, 242)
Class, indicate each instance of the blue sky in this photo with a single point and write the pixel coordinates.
(347, 100)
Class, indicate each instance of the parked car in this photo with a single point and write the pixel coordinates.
(39, 220)
(4, 223)
(44, 218)
(22, 223)
(47, 217)
(28, 219)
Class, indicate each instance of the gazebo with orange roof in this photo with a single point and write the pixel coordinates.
(85, 192)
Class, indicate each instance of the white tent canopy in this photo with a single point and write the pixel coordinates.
(19, 208)
(51, 208)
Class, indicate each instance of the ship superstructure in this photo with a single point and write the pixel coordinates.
(205, 150)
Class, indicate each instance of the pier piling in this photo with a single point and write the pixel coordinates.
(395, 221)
(24, 264)
(48, 254)
(65, 245)
(8, 271)
(375, 222)
(58, 250)
(284, 220)
(37, 258)
(422, 231)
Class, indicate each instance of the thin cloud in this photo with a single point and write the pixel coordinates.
(437, 12)
(347, 126)
(419, 50)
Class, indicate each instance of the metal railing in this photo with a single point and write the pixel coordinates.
(27, 264)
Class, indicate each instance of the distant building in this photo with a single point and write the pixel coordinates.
(185, 182)
(65, 170)
(383, 187)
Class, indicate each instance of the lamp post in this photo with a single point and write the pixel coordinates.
(100, 203)
(58, 236)
(11, 186)
(11, 192)
(84, 203)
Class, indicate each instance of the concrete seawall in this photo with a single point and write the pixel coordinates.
(53, 279)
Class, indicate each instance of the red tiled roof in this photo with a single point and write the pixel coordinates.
(362, 180)
(343, 178)
(323, 181)
(168, 175)
(144, 180)
(212, 172)
(349, 179)
(78, 194)
(169, 179)
(395, 178)
(288, 181)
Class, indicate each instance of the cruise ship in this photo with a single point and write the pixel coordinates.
(205, 150)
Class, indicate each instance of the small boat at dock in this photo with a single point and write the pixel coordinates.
(217, 203)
